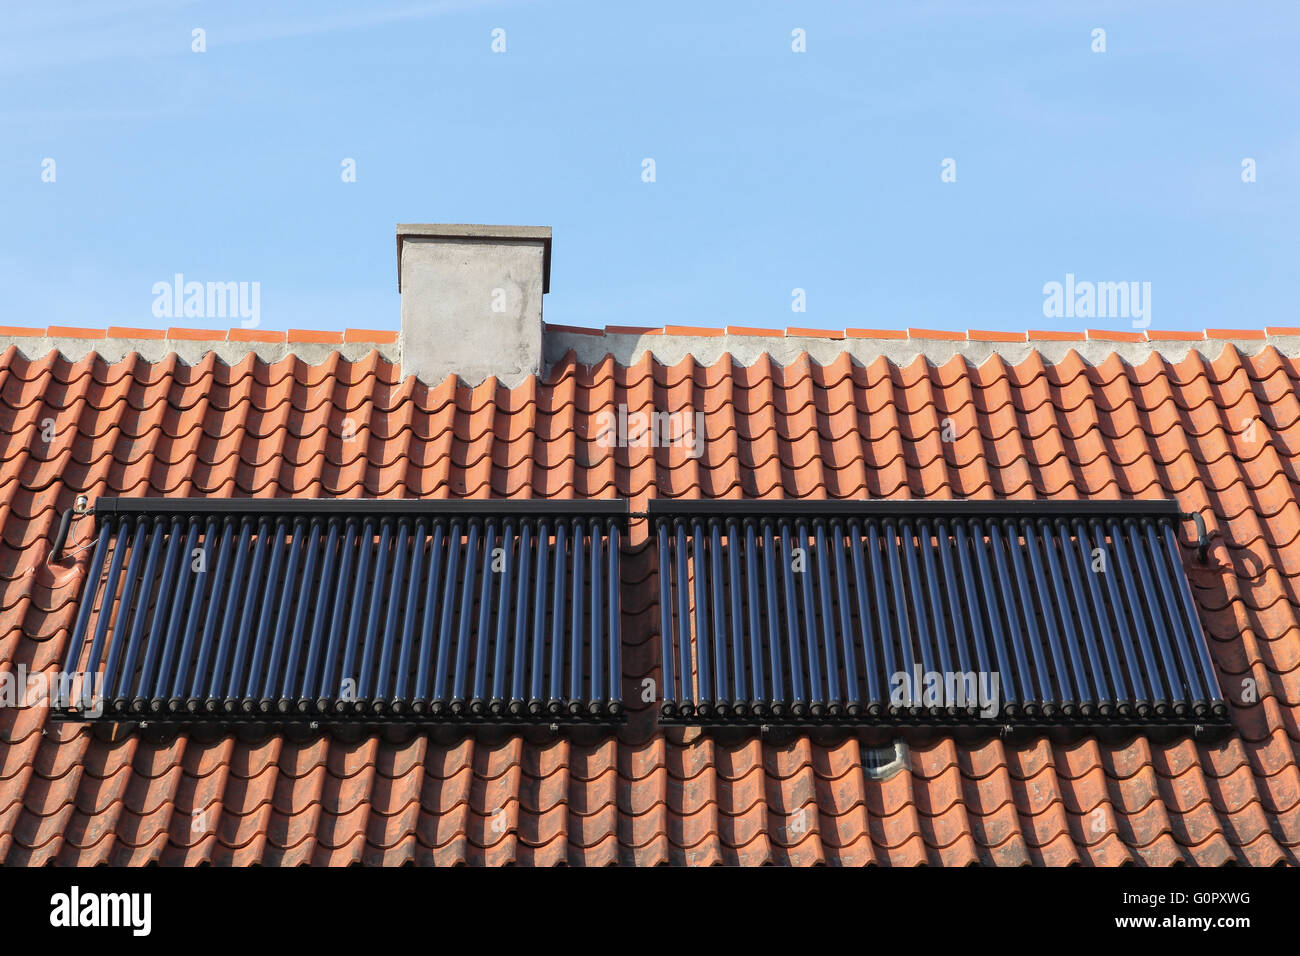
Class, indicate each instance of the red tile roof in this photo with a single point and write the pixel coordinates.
(971, 335)
(390, 337)
(73, 794)
(280, 336)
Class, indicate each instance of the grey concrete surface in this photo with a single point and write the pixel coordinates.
(472, 301)
(747, 349)
(626, 349)
(191, 352)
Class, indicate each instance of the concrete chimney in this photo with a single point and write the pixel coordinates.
(472, 300)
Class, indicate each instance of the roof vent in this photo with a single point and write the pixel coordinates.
(472, 300)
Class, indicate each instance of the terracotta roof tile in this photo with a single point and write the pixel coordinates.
(72, 332)
(310, 335)
(1154, 335)
(118, 332)
(815, 333)
(1253, 334)
(1055, 336)
(378, 336)
(690, 330)
(979, 335)
(875, 333)
(72, 795)
(941, 334)
(257, 335)
(632, 330)
(196, 335)
(1111, 335)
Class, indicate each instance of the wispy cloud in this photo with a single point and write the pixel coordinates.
(41, 40)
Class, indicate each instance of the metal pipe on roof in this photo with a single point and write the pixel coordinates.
(398, 698)
(231, 675)
(195, 687)
(1125, 644)
(1055, 691)
(106, 602)
(1214, 695)
(444, 635)
(669, 691)
(94, 570)
(828, 659)
(523, 574)
(158, 630)
(1062, 663)
(879, 563)
(1167, 593)
(722, 694)
(246, 689)
(1007, 625)
(798, 705)
(419, 697)
(302, 616)
(1162, 687)
(815, 700)
(613, 699)
(703, 642)
(129, 613)
(460, 677)
(384, 594)
(738, 698)
(501, 649)
(577, 633)
(877, 695)
(537, 666)
(687, 697)
(319, 685)
(479, 699)
(977, 578)
(597, 599)
(167, 663)
(759, 695)
(776, 695)
(929, 543)
(555, 692)
(1094, 675)
(957, 615)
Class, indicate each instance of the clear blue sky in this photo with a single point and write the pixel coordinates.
(775, 170)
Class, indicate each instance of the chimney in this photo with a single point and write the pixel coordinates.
(472, 300)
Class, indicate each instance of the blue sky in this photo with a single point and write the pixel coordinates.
(775, 170)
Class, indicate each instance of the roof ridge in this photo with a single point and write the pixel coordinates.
(390, 336)
(627, 345)
(270, 336)
(970, 335)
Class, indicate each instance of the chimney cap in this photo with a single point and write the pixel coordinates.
(472, 232)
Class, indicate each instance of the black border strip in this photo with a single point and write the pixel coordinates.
(666, 508)
(1197, 727)
(507, 721)
(615, 508)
